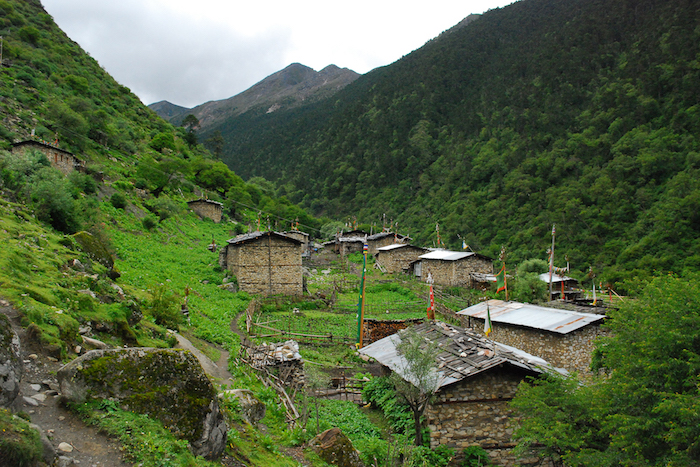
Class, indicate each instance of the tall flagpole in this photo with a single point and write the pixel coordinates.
(361, 304)
(551, 262)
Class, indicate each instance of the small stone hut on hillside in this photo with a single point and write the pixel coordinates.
(60, 159)
(563, 338)
(266, 263)
(207, 208)
(452, 268)
(398, 256)
(477, 380)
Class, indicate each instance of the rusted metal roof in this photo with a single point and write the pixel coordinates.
(462, 353)
(532, 316)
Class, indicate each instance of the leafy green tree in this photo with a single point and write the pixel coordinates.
(417, 379)
(645, 408)
(527, 286)
(159, 174)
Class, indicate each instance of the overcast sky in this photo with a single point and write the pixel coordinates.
(192, 51)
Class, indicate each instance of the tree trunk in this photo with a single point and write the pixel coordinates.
(418, 428)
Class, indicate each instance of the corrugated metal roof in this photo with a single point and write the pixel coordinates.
(446, 255)
(462, 353)
(392, 246)
(556, 278)
(532, 316)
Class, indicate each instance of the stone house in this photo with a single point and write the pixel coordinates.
(265, 263)
(563, 338)
(563, 287)
(477, 379)
(381, 239)
(207, 208)
(398, 256)
(60, 159)
(452, 268)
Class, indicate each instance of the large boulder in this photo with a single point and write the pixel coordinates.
(167, 384)
(11, 366)
(335, 448)
(252, 408)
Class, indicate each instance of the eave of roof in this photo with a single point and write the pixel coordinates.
(257, 235)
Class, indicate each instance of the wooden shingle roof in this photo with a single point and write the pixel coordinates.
(462, 353)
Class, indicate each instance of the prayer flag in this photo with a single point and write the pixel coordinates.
(487, 324)
(501, 279)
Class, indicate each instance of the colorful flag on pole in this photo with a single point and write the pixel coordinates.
(487, 324)
(501, 279)
(464, 245)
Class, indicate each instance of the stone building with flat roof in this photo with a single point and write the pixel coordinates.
(207, 208)
(562, 337)
(60, 159)
(398, 256)
(452, 268)
(265, 263)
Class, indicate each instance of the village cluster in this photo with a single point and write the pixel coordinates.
(479, 375)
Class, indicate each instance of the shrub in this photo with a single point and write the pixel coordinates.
(163, 307)
(149, 222)
(118, 200)
(475, 456)
(20, 445)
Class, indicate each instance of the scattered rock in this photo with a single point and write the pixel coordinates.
(11, 364)
(94, 343)
(65, 447)
(335, 448)
(35, 387)
(166, 384)
(252, 408)
(39, 397)
(229, 286)
(30, 401)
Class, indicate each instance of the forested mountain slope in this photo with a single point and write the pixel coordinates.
(584, 114)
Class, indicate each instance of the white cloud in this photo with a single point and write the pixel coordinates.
(190, 52)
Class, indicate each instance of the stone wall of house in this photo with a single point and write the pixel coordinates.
(398, 259)
(372, 245)
(455, 273)
(347, 248)
(476, 411)
(570, 351)
(210, 210)
(59, 159)
(303, 237)
(268, 265)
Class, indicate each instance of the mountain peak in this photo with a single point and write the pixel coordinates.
(294, 85)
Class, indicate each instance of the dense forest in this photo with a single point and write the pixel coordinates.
(582, 114)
